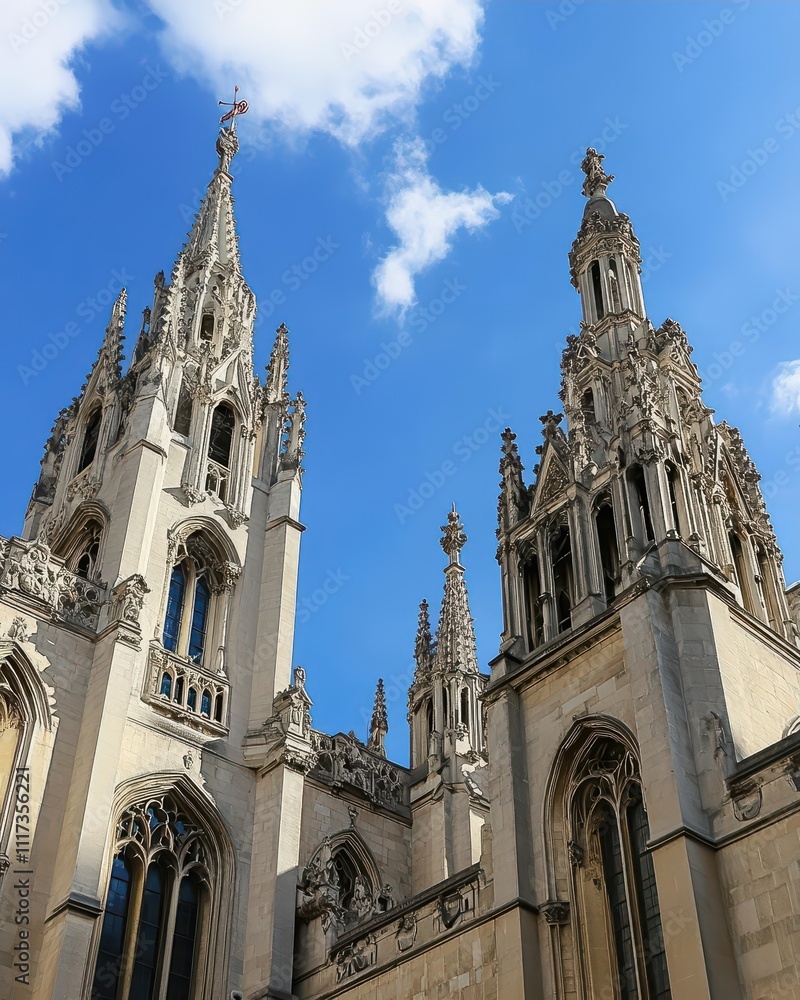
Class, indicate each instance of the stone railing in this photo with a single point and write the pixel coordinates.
(30, 568)
(343, 760)
(186, 691)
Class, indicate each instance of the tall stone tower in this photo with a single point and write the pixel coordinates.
(641, 707)
(149, 609)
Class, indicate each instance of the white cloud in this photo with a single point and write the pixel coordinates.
(425, 219)
(786, 389)
(346, 67)
(38, 38)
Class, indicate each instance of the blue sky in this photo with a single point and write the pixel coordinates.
(452, 153)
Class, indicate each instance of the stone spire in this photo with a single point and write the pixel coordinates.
(379, 724)
(514, 503)
(107, 369)
(278, 368)
(455, 636)
(213, 233)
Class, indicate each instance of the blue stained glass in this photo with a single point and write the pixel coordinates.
(112, 934)
(172, 620)
(197, 635)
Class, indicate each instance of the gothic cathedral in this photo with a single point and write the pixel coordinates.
(612, 814)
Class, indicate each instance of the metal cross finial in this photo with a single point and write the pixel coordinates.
(237, 108)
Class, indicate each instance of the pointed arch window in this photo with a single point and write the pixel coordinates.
(91, 436)
(221, 437)
(609, 826)
(81, 549)
(220, 445)
(158, 901)
(190, 617)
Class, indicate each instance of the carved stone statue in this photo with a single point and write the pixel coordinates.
(596, 178)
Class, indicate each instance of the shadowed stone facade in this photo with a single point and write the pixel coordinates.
(613, 813)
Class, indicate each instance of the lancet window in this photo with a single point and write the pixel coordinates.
(220, 446)
(609, 549)
(91, 435)
(193, 589)
(157, 907)
(81, 547)
(183, 412)
(534, 615)
(610, 831)
(561, 558)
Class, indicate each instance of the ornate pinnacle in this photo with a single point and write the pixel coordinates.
(596, 178)
(278, 367)
(455, 636)
(109, 357)
(513, 504)
(379, 724)
(454, 538)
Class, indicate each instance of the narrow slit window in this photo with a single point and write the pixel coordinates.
(597, 289)
(183, 412)
(561, 550)
(91, 436)
(609, 550)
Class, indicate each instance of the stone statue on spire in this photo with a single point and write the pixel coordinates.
(596, 178)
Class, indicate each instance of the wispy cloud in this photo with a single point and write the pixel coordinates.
(425, 219)
(347, 68)
(786, 389)
(38, 39)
